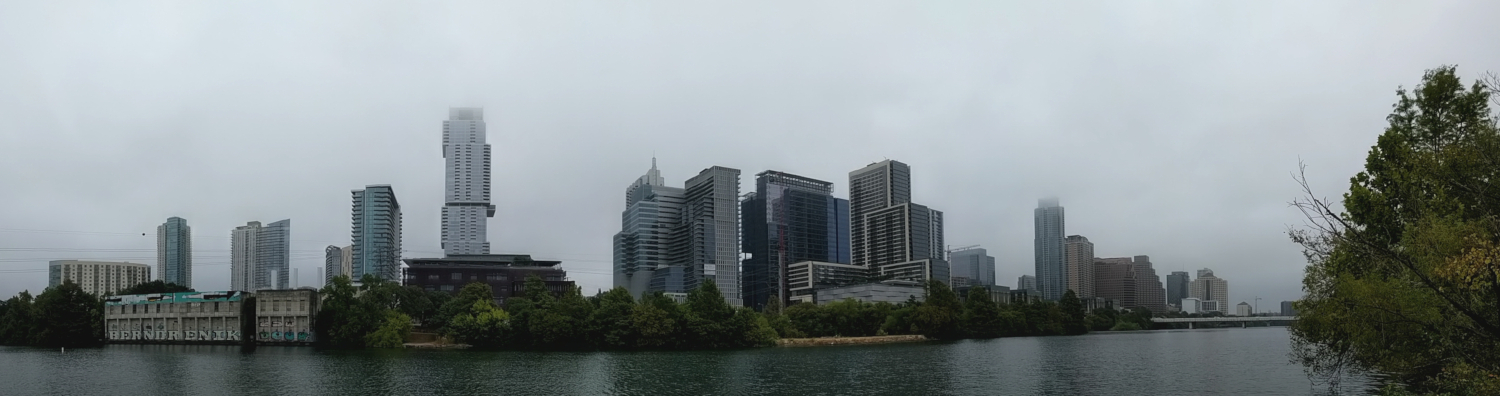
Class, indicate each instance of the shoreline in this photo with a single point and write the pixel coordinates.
(831, 341)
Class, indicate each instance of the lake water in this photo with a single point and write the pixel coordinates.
(1187, 362)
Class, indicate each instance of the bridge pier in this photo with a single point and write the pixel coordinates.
(1192, 325)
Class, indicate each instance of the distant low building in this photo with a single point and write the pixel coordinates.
(1206, 306)
(805, 278)
(1025, 295)
(998, 294)
(286, 316)
(505, 273)
(892, 291)
(177, 318)
(98, 277)
(1192, 305)
(1243, 309)
(1026, 282)
(1287, 309)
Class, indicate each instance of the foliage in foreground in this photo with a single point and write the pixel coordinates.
(62, 316)
(1405, 279)
(153, 287)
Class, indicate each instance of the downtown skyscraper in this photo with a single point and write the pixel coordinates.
(789, 219)
(972, 267)
(466, 190)
(376, 233)
(1178, 284)
(1078, 253)
(673, 239)
(260, 256)
(174, 252)
(888, 233)
(1051, 270)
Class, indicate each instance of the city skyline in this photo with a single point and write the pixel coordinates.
(1174, 161)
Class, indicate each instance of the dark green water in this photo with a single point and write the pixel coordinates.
(1190, 362)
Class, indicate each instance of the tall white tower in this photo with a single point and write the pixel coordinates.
(467, 190)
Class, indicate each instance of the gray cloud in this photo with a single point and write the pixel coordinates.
(1167, 130)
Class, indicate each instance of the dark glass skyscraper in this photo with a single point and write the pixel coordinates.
(1177, 287)
(1051, 271)
(789, 219)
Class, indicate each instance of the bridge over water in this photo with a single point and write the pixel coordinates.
(1242, 320)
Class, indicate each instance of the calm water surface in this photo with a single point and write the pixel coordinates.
(1189, 362)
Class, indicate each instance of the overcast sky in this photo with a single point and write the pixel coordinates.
(1168, 129)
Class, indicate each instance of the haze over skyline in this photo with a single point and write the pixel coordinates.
(1168, 130)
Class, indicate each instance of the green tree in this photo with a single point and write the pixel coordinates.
(1403, 279)
(156, 286)
(17, 326)
(1101, 319)
(448, 307)
(484, 324)
(982, 315)
(658, 322)
(66, 316)
(609, 326)
(343, 319)
(1073, 315)
(752, 328)
(776, 317)
(560, 324)
(392, 331)
(940, 313)
(708, 318)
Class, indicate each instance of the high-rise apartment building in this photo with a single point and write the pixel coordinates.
(376, 233)
(1177, 288)
(338, 261)
(888, 233)
(673, 239)
(467, 205)
(97, 277)
(1129, 281)
(1078, 253)
(1026, 282)
(971, 267)
(174, 252)
(789, 219)
(1051, 269)
(260, 255)
(1210, 288)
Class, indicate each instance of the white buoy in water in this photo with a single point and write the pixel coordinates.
(64, 349)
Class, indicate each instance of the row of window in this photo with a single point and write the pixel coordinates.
(170, 308)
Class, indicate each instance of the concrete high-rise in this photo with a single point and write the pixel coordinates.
(1051, 269)
(673, 239)
(376, 233)
(1210, 288)
(888, 233)
(971, 267)
(174, 252)
(338, 261)
(1131, 282)
(711, 213)
(97, 277)
(789, 219)
(1078, 253)
(1177, 287)
(467, 188)
(260, 255)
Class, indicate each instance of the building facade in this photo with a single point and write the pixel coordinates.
(894, 292)
(806, 278)
(338, 261)
(174, 252)
(1026, 282)
(1191, 305)
(671, 240)
(1131, 281)
(1178, 284)
(889, 233)
(1287, 309)
(651, 236)
(1051, 268)
(260, 256)
(971, 267)
(505, 274)
(376, 233)
(1210, 288)
(788, 219)
(1078, 254)
(1243, 309)
(466, 191)
(186, 318)
(286, 316)
(98, 277)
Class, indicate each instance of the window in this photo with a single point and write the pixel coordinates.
(458, 276)
(447, 288)
(216, 306)
(432, 277)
